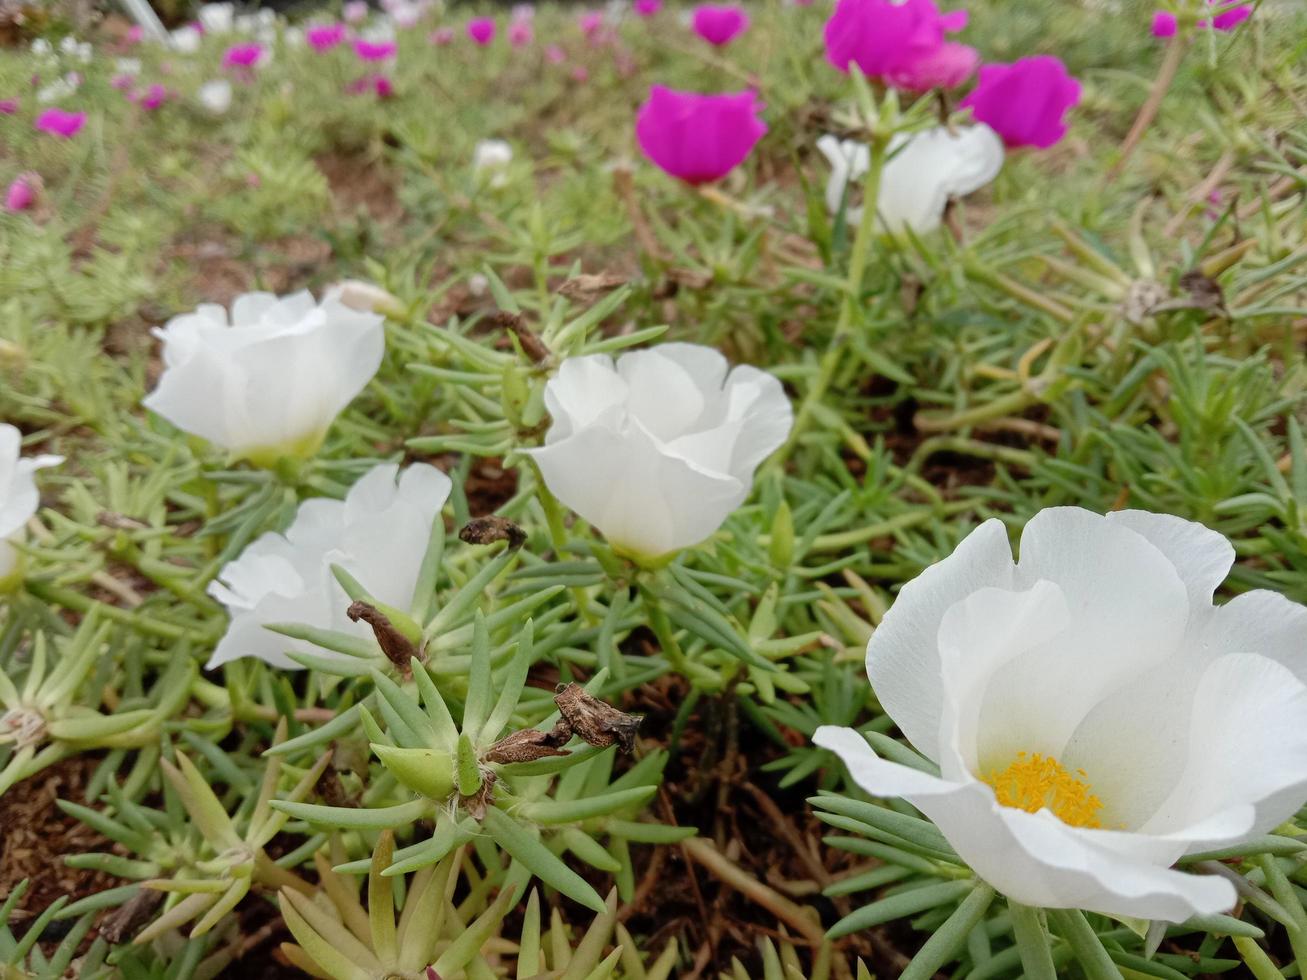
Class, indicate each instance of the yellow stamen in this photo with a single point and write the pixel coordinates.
(1038, 782)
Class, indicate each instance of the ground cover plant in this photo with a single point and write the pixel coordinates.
(785, 491)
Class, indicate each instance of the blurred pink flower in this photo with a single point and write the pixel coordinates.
(592, 25)
(555, 55)
(122, 82)
(374, 50)
(59, 123)
(698, 138)
(950, 66)
(441, 36)
(520, 32)
(355, 11)
(135, 34)
(1165, 24)
(324, 37)
(887, 39)
(719, 24)
(1025, 102)
(481, 30)
(1231, 18)
(153, 97)
(647, 8)
(580, 73)
(243, 55)
(21, 194)
(8, 107)
(379, 85)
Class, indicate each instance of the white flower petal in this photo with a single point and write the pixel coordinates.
(929, 167)
(1033, 858)
(1202, 557)
(903, 657)
(664, 394)
(1129, 611)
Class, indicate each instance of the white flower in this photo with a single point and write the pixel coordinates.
(186, 39)
(491, 158)
(404, 15)
(60, 88)
(658, 449)
(923, 171)
(128, 66)
(42, 48)
(19, 498)
(269, 383)
(215, 96)
(217, 18)
(378, 533)
(1122, 718)
(73, 48)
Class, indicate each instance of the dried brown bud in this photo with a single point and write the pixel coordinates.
(476, 804)
(331, 790)
(124, 922)
(586, 287)
(531, 343)
(492, 528)
(119, 522)
(394, 644)
(529, 745)
(598, 723)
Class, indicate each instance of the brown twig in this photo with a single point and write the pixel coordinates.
(1148, 111)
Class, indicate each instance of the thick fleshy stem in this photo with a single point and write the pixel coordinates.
(832, 356)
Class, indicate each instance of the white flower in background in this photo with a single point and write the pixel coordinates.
(59, 89)
(186, 39)
(19, 498)
(42, 48)
(923, 171)
(262, 26)
(657, 449)
(217, 18)
(215, 96)
(81, 51)
(269, 382)
(378, 533)
(128, 66)
(293, 37)
(404, 15)
(1093, 715)
(491, 159)
(382, 32)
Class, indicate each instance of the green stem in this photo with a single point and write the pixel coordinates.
(832, 357)
(1032, 942)
(944, 944)
(141, 623)
(1072, 926)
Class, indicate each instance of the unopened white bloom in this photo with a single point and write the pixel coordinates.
(215, 96)
(923, 171)
(366, 296)
(491, 159)
(657, 449)
(185, 39)
(378, 533)
(19, 498)
(1093, 715)
(268, 382)
(217, 18)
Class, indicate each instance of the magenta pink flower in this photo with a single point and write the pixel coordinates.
(698, 138)
(379, 85)
(59, 123)
(719, 24)
(1231, 18)
(1165, 24)
(135, 34)
(1025, 102)
(153, 97)
(885, 39)
(374, 50)
(521, 32)
(122, 82)
(441, 36)
(555, 55)
(8, 107)
(592, 24)
(647, 8)
(481, 30)
(21, 194)
(324, 37)
(950, 66)
(243, 55)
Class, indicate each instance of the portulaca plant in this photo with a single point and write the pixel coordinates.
(266, 381)
(1087, 715)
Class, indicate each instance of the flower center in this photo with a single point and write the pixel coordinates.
(1039, 782)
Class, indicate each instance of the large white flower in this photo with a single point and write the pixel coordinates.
(923, 171)
(269, 382)
(658, 449)
(378, 533)
(19, 498)
(1093, 715)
